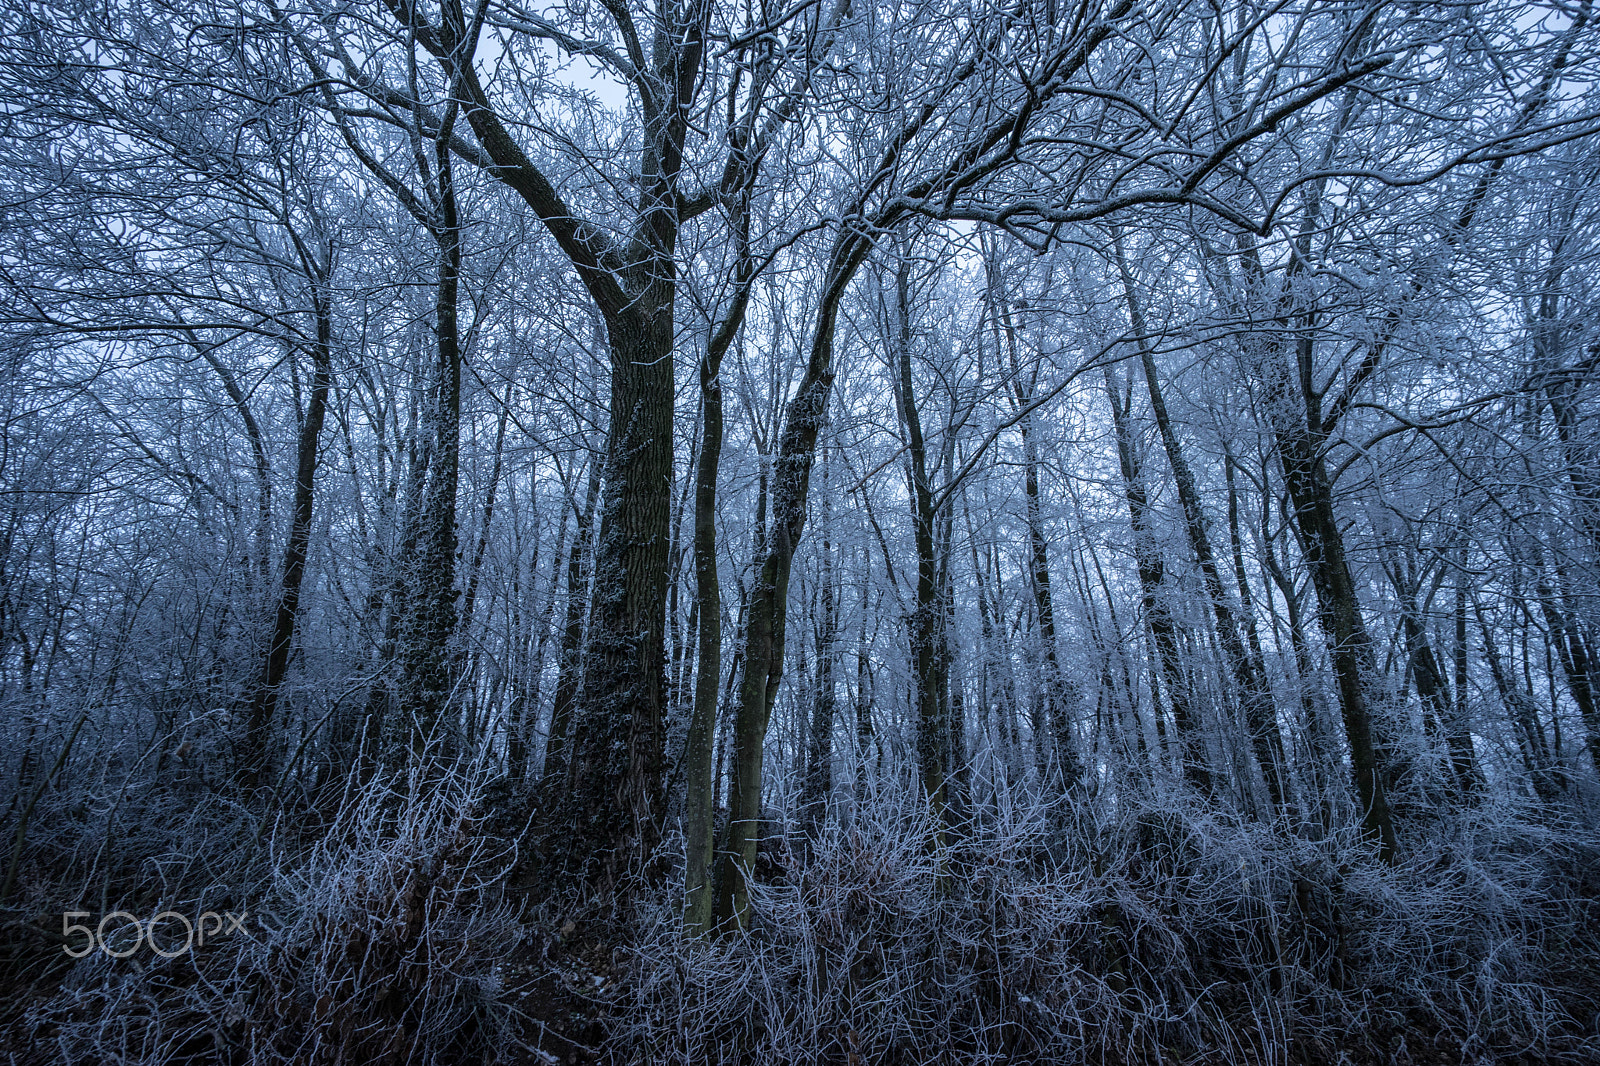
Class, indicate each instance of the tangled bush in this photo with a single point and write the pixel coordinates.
(381, 944)
(1163, 932)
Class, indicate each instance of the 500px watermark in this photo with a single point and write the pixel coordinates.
(194, 933)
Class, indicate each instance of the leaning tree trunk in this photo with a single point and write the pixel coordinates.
(275, 665)
(769, 598)
(1349, 646)
(1151, 568)
(1281, 366)
(1248, 673)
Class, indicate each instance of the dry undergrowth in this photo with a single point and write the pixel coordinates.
(1060, 933)
(383, 943)
(1153, 934)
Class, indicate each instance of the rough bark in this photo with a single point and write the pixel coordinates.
(427, 631)
(606, 821)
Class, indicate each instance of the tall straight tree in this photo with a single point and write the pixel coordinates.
(605, 820)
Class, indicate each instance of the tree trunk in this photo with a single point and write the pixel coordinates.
(1548, 781)
(1338, 608)
(1055, 692)
(699, 756)
(427, 632)
(1578, 663)
(818, 780)
(1432, 688)
(764, 626)
(930, 658)
(263, 705)
(1158, 618)
(1247, 671)
(569, 664)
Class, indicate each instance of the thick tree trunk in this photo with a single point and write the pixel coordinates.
(606, 822)
(609, 819)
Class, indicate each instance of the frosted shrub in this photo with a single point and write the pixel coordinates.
(1145, 933)
(382, 944)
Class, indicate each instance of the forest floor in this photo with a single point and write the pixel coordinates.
(1170, 933)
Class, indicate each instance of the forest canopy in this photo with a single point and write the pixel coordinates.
(693, 531)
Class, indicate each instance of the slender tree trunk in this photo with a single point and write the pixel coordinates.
(865, 734)
(1151, 568)
(700, 798)
(1247, 617)
(263, 705)
(1578, 663)
(1432, 688)
(818, 780)
(1548, 781)
(1054, 690)
(569, 666)
(1247, 671)
(527, 667)
(475, 570)
(427, 667)
(764, 626)
(925, 627)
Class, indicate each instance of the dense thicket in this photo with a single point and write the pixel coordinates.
(692, 531)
